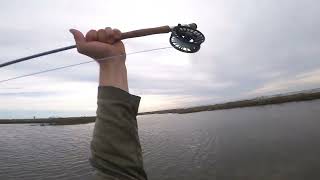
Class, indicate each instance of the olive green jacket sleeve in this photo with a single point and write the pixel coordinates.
(115, 146)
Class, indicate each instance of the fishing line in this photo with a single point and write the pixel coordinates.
(86, 62)
(185, 38)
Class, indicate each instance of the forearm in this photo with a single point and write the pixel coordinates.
(115, 147)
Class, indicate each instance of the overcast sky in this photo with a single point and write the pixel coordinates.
(252, 48)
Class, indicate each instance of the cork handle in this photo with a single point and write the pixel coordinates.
(145, 32)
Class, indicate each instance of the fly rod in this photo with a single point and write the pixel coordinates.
(185, 38)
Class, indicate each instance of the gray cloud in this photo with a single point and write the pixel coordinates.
(264, 38)
(249, 45)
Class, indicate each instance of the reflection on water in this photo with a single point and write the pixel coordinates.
(270, 142)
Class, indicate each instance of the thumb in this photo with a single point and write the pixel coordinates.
(78, 36)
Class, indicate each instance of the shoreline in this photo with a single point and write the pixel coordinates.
(259, 101)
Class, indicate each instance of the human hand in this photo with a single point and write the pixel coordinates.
(106, 48)
(101, 44)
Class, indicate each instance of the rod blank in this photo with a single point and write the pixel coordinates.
(126, 35)
(36, 55)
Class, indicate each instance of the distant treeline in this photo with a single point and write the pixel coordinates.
(260, 101)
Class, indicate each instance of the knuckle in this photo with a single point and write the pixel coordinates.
(101, 31)
(117, 33)
(108, 28)
(116, 30)
(109, 34)
(91, 35)
(92, 31)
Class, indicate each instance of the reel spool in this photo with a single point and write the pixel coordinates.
(186, 38)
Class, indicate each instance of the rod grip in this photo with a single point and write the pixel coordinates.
(145, 32)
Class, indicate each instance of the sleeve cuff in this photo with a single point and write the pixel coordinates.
(114, 93)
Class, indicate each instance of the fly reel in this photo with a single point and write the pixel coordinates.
(186, 38)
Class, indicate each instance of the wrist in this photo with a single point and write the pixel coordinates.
(113, 74)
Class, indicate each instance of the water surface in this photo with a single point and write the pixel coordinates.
(269, 142)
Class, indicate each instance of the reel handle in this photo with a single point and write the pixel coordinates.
(151, 31)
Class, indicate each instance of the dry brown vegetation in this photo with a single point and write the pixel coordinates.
(260, 101)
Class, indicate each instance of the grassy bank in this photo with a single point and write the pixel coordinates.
(50, 121)
(260, 101)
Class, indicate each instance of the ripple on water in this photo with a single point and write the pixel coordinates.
(270, 142)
